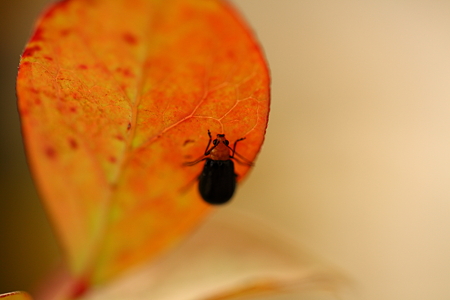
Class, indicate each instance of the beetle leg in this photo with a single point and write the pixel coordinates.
(244, 161)
(207, 152)
(234, 146)
(191, 163)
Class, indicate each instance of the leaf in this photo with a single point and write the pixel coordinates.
(15, 296)
(232, 255)
(114, 96)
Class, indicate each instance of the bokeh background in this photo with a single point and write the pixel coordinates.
(356, 164)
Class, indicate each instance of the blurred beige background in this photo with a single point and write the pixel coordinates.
(356, 163)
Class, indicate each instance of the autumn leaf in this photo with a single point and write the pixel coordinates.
(114, 97)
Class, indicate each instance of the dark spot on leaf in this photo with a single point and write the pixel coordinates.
(24, 112)
(112, 159)
(48, 58)
(76, 96)
(82, 67)
(128, 73)
(130, 38)
(50, 152)
(73, 109)
(65, 32)
(37, 35)
(73, 144)
(31, 50)
(125, 71)
(187, 142)
(33, 90)
(119, 137)
(129, 126)
(231, 55)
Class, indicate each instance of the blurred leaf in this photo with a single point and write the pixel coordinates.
(114, 96)
(231, 256)
(15, 296)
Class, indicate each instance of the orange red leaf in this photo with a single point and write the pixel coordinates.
(114, 96)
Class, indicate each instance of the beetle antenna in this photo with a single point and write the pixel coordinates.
(209, 143)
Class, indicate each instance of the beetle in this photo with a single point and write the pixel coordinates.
(217, 182)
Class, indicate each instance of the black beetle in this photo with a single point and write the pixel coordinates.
(217, 182)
